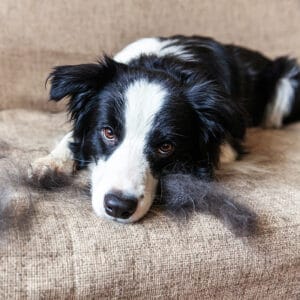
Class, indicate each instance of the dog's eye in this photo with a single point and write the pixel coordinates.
(165, 149)
(108, 134)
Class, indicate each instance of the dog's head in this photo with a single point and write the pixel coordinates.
(131, 125)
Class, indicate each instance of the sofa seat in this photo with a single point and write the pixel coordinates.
(54, 246)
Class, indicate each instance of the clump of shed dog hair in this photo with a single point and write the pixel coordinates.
(183, 194)
(50, 180)
(16, 204)
(19, 194)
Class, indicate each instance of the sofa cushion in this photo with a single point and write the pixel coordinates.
(54, 246)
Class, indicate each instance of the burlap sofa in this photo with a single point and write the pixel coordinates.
(61, 249)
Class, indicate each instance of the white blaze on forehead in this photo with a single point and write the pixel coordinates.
(127, 169)
(143, 101)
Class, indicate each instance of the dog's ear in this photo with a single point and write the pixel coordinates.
(218, 116)
(81, 82)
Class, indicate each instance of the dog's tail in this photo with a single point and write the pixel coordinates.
(284, 104)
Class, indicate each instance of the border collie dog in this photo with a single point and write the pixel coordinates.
(165, 106)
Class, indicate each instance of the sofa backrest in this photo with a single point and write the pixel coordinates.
(36, 35)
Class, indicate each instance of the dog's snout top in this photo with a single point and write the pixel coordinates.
(119, 206)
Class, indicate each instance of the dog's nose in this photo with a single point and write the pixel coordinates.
(119, 206)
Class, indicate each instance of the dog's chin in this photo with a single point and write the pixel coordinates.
(142, 208)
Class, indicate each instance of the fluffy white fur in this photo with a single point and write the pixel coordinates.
(282, 102)
(150, 46)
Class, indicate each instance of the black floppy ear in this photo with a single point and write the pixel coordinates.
(80, 82)
(218, 116)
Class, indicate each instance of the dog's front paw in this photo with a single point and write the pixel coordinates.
(50, 172)
(227, 154)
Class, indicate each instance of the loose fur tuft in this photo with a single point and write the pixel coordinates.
(16, 203)
(182, 194)
(4, 149)
(50, 180)
(20, 194)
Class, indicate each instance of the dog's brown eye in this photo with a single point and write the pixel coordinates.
(166, 149)
(108, 133)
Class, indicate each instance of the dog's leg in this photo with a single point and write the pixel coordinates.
(227, 154)
(59, 161)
